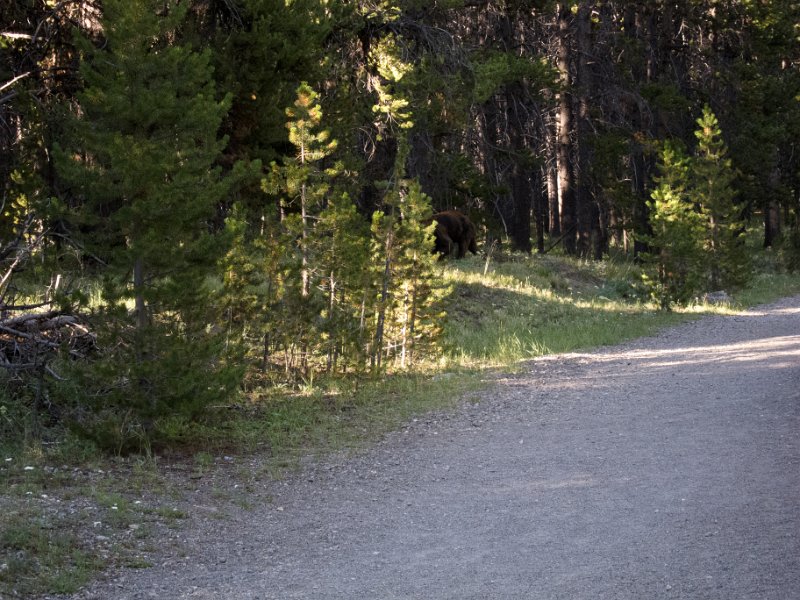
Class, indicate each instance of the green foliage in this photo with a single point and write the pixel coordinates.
(139, 157)
(698, 232)
(677, 260)
(303, 187)
(343, 295)
(764, 110)
(345, 282)
(497, 69)
(610, 153)
(392, 105)
(789, 250)
(408, 313)
(665, 97)
(118, 400)
(259, 61)
(712, 188)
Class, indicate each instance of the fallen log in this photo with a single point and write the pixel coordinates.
(15, 322)
(30, 341)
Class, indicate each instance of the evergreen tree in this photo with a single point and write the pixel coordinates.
(418, 318)
(345, 268)
(304, 187)
(677, 272)
(403, 269)
(260, 52)
(713, 190)
(139, 155)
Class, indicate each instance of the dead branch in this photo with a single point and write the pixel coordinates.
(30, 341)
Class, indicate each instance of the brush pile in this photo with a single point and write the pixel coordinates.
(29, 341)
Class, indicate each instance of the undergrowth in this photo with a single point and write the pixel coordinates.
(499, 314)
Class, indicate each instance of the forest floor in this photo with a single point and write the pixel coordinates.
(666, 467)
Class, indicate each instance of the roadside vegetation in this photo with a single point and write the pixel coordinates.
(69, 510)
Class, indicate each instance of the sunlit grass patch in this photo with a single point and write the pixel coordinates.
(767, 287)
(527, 306)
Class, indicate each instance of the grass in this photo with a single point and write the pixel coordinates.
(531, 306)
(38, 556)
(60, 525)
(514, 309)
(338, 417)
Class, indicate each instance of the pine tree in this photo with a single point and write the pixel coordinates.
(344, 264)
(304, 187)
(139, 155)
(713, 190)
(261, 50)
(417, 315)
(677, 271)
(406, 302)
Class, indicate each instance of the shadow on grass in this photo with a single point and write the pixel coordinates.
(499, 326)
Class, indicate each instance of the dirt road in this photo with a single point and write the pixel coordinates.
(665, 468)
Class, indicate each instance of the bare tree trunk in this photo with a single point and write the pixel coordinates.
(772, 223)
(140, 308)
(519, 211)
(377, 348)
(265, 354)
(404, 332)
(566, 177)
(304, 276)
(586, 216)
(635, 28)
(331, 319)
(304, 244)
(540, 205)
(772, 215)
(413, 320)
(551, 176)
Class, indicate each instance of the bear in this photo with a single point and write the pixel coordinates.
(454, 231)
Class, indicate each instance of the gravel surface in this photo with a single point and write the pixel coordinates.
(668, 467)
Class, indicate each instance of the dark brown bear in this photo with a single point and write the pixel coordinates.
(454, 231)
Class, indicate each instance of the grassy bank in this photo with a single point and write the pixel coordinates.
(528, 306)
(66, 512)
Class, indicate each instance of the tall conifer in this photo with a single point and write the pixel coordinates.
(139, 156)
(678, 230)
(713, 190)
(304, 187)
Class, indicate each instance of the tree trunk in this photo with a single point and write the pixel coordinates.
(772, 215)
(587, 218)
(140, 307)
(519, 211)
(553, 209)
(377, 348)
(551, 177)
(519, 220)
(772, 224)
(540, 207)
(566, 170)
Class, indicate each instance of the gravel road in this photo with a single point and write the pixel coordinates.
(668, 467)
